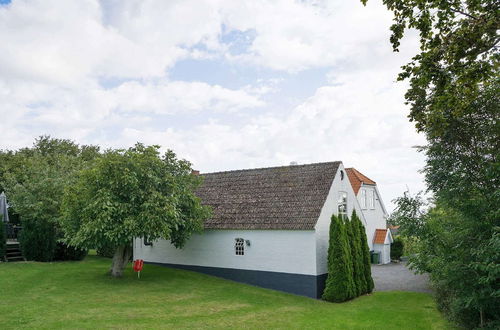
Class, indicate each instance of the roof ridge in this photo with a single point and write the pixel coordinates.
(273, 167)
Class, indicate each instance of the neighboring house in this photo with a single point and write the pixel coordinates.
(270, 227)
(373, 209)
(382, 241)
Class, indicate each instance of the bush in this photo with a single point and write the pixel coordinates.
(38, 240)
(356, 256)
(397, 248)
(411, 245)
(339, 283)
(365, 253)
(65, 252)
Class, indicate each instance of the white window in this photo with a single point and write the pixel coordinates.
(239, 246)
(371, 199)
(362, 197)
(342, 205)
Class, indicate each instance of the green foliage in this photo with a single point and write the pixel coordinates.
(38, 239)
(34, 180)
(397, 248)
(462, 253)
(454, 97)
(132, 193)
(365, 254)
(411, 245)
(349, 268)
(458, 56)
(106, 251)
(357, 256)
(339, 283)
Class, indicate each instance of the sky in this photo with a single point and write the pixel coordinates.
(225, 84)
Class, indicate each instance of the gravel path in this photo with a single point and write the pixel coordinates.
(398, 277)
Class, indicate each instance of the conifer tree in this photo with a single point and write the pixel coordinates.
(358, 271)
(339, 284)
(365, 252)
(351, 242)
(350, 256)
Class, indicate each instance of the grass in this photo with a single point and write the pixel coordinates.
(81, 295)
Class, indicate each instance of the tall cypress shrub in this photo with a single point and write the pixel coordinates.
(38, 239)
(365, 252)
(339, 284)
(358, 271)
(349, 257)
(351, 240)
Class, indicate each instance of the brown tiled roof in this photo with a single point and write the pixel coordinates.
(287, 197)
(380, 235)
(357, 179)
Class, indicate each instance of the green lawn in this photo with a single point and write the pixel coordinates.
(80, 295)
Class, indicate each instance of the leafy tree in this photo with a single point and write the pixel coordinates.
(365, 254)
(339, 283)
(465, 275)
(454, 99)
(34, 179)
(458, 56)
(128, 194)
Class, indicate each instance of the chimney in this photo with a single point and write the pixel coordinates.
(195, 172)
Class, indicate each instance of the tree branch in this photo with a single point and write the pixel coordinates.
(462, 12)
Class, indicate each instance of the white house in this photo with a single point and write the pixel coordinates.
(382, 242)
(270, 227)
(373, 210)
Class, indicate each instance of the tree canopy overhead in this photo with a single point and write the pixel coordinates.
(458, 56)
(132, 193)
(454, 99)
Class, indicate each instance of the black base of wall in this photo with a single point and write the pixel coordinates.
(305, 285)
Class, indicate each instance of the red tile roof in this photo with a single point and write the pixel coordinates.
(357, 179)
(380, 235)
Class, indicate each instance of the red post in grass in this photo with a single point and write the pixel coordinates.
(138, 267)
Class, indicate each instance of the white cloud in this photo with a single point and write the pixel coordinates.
(174, 97)
(360, 121)
(56, 55)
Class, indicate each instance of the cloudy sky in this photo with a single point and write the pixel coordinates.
(226, 84)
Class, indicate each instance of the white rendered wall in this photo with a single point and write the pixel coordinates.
(385, 252)
(287, 251)
(375, 218)
(331, 207)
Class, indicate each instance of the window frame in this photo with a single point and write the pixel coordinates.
(363, 200)
(342, 205)
(239, 246)
(371, 200)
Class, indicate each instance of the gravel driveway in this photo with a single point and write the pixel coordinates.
(398, 277)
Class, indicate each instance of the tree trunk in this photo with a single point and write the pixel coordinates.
(120, 260)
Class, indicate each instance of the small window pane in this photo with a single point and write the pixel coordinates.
(371, 199)
(363, 199)
(239, 246)
(342, 205)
